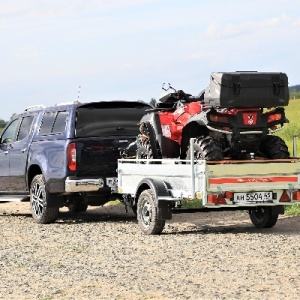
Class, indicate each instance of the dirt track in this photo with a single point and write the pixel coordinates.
(101, 254)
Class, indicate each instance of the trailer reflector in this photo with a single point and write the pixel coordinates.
(229, 195)
(284, 197)
(216, 199)
(296, 195)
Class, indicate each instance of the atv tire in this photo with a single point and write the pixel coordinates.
(145, 151)
(206, 148)
(274, 147)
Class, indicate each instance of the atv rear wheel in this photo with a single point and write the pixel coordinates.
(274, 147)
(206, 148)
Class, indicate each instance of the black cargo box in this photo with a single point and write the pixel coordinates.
(247, 89)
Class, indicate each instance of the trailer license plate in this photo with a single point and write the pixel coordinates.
(255, 197)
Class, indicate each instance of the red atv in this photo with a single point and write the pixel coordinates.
(232, 118)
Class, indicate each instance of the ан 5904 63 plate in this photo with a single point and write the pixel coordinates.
(255, 197)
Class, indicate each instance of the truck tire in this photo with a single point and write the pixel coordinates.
(39, 202)
(206, 148)
(147, 214)
(262, 217)
(274, 147)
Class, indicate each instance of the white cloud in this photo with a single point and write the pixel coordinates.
(230, 30)
(296, 23)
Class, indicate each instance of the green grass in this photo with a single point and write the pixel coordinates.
(292, 112)
(293, 210)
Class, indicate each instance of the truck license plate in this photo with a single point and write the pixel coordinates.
(255, 197)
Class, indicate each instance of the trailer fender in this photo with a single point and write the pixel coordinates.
(159, 188)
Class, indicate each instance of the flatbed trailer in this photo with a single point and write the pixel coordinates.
(157, 188)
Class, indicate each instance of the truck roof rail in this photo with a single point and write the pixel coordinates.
(67, 103)
(34, 107)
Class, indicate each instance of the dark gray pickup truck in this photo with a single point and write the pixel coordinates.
(66, 155)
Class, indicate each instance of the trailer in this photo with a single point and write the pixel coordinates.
(157, 188)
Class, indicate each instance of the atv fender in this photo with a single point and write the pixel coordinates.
(167, 147)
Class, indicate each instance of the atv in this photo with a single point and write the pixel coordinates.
(233, 118)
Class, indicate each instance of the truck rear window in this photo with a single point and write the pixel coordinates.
(109, 119)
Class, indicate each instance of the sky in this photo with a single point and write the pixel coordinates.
(56, 51)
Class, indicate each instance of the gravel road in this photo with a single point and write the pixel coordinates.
(101, 254)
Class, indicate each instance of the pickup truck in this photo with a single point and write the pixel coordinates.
(66, 155)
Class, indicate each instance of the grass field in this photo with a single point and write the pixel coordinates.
(293, 128)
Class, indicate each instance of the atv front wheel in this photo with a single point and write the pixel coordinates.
(145, 151)
(274, 147)
(206, 148)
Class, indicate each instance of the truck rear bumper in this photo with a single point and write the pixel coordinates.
(83, 185)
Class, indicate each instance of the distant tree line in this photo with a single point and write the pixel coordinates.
(294, 88)
(2, 123)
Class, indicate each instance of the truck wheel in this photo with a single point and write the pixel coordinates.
(206, 148)
(39, 201)
(262, 217)
(274, 147)
(147, 214)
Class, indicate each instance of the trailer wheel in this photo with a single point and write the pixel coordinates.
(39, 202)
(206, 148)
(147, 214)
(262, 217)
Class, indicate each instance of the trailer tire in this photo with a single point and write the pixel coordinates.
(262, 217)
(147, 214)
(40, 198)
(206, 148)
(274, 147)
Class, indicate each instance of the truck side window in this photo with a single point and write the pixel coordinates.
(53, 122)
(25, 128)
(9, 134)
(60, 122)
(47, 123)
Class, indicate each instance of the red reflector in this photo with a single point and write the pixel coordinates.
(229, 195)
(72, 156)
(216, 199)
(284, 197)
(296, 195)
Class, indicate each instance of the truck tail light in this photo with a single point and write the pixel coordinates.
(72, 156)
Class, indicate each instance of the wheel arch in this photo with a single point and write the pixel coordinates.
(33, 170)
(160, 189)
(195, 128)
